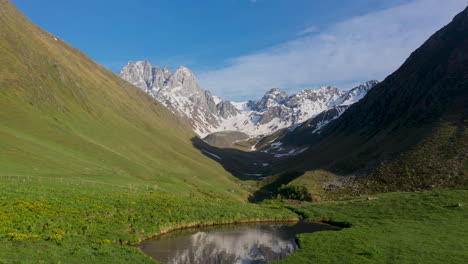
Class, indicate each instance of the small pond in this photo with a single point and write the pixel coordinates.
(243, 243)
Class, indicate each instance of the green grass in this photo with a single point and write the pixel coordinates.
(89, 163)
(63, 115)
(52, 220)
(57, 220)
(426, 227)
(317, 183)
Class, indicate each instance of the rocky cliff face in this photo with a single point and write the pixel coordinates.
(180, 92)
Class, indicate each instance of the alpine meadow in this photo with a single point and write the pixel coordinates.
(133, 164)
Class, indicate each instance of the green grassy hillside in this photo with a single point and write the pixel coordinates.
(64, 115)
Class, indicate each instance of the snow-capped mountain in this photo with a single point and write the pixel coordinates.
(180, 92)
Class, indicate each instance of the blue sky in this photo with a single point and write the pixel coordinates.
(241, 48)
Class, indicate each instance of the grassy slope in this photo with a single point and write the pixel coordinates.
(439, 161)
(96, 162)
(63, 115)
(427, 227)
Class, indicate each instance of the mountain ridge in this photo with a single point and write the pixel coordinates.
(208, 114)
(408, 133)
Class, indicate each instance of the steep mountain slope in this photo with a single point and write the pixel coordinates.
(207, 114)
(63, 115)
(407, 133)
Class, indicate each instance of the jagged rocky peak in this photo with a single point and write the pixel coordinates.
(298, 99)
(363, 88)
(139, 74)
(180, 92)
(368, 85)
(325, 92)
(273, 97)
(226, 109)
(143, 75)
(182, 75)
(185, 79)
(159, 77)
(166, 71)
(357, 93)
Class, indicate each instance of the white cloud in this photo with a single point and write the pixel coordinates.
(327, 37)
(308, 30)
(359, 49)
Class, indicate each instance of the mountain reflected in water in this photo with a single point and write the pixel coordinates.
(242, 244)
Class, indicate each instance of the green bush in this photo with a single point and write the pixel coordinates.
(294, 192)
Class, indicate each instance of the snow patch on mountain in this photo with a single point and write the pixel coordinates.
(212, 154)
(180, 92)
(292, 152)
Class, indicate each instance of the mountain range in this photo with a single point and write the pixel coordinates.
(207, 114)
(75, 118)
(408, 133)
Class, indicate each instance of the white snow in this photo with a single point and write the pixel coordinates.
(291, 153)
(253, 174)
(242, 106)
(212, 154)
(308, 104)
(255, 118)
(217, 100)
(182, 95)
(276, 145)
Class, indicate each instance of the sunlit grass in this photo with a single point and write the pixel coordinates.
(426, 227)
(54, 221)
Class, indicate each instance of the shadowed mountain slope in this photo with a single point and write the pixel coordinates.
(412, 125)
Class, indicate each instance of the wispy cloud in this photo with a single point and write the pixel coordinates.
(308, 30)
(359, 49)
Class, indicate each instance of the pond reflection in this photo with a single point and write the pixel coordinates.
(243, 244)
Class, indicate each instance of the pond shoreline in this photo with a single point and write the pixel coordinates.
(211, 224)
(247, 240)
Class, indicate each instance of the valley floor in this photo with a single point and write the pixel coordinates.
(52, 221)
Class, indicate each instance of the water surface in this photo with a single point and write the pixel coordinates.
(243, 244)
